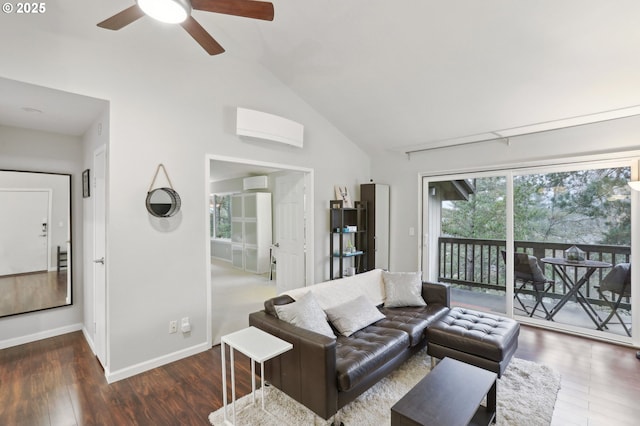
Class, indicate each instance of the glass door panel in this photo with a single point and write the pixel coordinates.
(466, 237)
(574, 228)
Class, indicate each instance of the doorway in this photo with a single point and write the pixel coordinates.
(25, 230)
(243, 270)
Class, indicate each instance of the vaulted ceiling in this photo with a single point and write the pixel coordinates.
(402, 73)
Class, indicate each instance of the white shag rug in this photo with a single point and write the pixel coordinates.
(526, 396)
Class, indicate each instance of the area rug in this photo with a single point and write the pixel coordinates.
(526, 396)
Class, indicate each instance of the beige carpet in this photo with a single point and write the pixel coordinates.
(526, 397)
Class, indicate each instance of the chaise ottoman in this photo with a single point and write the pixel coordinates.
(484, 340)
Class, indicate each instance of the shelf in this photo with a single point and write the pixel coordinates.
(352, 254)
(347, 229)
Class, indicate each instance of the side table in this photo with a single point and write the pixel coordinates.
(259, 346)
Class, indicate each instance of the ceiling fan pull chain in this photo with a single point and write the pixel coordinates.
(156, 175)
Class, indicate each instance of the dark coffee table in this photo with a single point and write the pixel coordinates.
(450, 395)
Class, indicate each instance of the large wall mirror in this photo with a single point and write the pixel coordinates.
(35, 241)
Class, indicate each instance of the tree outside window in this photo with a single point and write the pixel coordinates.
(220, 209)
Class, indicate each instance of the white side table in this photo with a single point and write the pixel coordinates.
(259, 346)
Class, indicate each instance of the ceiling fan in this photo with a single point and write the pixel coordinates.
(179, 12)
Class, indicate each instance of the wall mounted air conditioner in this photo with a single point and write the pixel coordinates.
(255, 182)
(269, 127)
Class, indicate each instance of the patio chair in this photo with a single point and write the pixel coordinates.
(527, 273)
(618, 283)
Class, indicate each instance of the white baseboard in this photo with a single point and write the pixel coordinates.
(39, 336)
(155, 363)
(89, 339)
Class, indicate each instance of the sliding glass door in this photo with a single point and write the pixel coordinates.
(548, 245)
(574, 224)
(466, 237)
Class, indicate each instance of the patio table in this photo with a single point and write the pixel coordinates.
(560, 266)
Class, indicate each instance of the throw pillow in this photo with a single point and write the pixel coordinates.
(305, 313)
(354, 315)
(403, 289)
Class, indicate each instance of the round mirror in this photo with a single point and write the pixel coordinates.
(163, 202)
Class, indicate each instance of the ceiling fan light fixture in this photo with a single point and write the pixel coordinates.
(168, 11)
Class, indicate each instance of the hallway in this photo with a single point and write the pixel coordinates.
(236, 294)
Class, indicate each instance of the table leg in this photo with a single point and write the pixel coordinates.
(253, 380)
(224, 381)
(233, 383)
(586, 306)
(574, 290)
(492, 400)
(262, 382)
(582, 300)
(563, 301)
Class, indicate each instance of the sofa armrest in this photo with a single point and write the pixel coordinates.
(436, 293)
(307, 373)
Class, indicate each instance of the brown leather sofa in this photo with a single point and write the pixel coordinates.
(325, 374)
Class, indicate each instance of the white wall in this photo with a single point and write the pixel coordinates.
(170, 106)
(595, 140)
(31, 150)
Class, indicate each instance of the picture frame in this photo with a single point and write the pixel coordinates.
(86, 191)
(343, 194)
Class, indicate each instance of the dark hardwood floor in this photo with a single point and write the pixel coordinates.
(32, 291)
(58, 381)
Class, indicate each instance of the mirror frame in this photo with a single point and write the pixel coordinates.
(173, 204)
(70, 258)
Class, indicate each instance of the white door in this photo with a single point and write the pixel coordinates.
(289, 231)
(24, 223)
(99, 249)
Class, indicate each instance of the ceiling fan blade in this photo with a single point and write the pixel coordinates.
(246, 8)
(123, 18)
(203, 38)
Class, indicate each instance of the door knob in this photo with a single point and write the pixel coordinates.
(276, 245)
(101, 260)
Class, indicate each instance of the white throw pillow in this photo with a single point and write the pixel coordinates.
(403, 289)
(354, 315)
(306, 313)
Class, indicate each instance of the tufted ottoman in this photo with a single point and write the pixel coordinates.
(484, 340)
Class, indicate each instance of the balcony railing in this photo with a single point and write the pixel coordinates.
(478, 263)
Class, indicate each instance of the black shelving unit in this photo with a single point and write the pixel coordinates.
(348, 225)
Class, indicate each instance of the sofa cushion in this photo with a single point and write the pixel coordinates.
(354, 315)
(365, 351)
(403, 289)
(412, 320)
(336, 292)
(305, 313)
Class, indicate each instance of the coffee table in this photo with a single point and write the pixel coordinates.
(259, 346)
(449, 395)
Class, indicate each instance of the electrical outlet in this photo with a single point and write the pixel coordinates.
(185, 325)
(173, 327)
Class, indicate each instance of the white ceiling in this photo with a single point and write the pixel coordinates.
(40, 108)
(408, 73)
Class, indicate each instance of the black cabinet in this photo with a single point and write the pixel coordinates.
(376, 196)
(348, 238)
